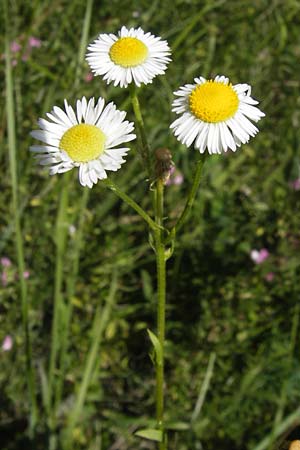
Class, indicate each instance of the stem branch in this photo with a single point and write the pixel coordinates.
(144, 146)
(190, 201)
(111, 185)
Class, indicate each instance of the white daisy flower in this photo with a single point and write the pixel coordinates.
(88, 139)
(215, 115)
(131, 57)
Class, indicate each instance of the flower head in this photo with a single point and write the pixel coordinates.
(88, 139)
(214, 114)
(132, 56)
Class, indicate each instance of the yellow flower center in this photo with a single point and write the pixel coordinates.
(83, 142)
(128, 52)
(213, 101)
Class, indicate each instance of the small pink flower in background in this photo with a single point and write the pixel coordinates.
(26, 56)
(89, 76)
(295, 184)
(4, 279)
(5, 262)
(7, 343)
(176, 177)
(14, 62)
(15, 47)
(34, 42)
(270, 276)
(259, 256)
(26, 274)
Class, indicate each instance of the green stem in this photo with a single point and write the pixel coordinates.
(161, 307)
(190, 201)
(60, 238)
(111, 185)
(142, 137)
(11, 131)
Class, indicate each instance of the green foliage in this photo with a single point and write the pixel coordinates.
(218, 300)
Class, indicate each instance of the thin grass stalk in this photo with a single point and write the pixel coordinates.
(11, 131)
(83, 40)
(71, 285)
(101, 319)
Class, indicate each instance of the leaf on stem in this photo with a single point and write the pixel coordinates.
(157, 348)
(150, 433)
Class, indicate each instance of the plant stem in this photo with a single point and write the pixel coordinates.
(161, 306)
(111, 185)
(60, 239)
(11, 131)
(189, 202)
(144, 146)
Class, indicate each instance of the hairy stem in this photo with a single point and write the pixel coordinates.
(190, 201)
(142, 138)
(111, 185)
(161, 307)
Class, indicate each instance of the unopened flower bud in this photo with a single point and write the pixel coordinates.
(163, 164)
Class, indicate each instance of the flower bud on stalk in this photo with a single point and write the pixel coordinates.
(163, 164)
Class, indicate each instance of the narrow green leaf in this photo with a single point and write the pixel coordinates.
(151, 434)
(178, 426)
(157, 348)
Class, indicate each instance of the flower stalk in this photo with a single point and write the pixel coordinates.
(142, 137)
(161, 308)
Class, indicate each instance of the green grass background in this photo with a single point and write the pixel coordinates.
(219, 302)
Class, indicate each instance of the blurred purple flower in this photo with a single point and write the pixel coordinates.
(175, 178)
(34, 42)
(15, 47)
(259, 256)
(270, 276)
(7, 343)
(178, 179)
(26, 56)
(26, 274)
(89, 76)
(295, 184)
(5, 261)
